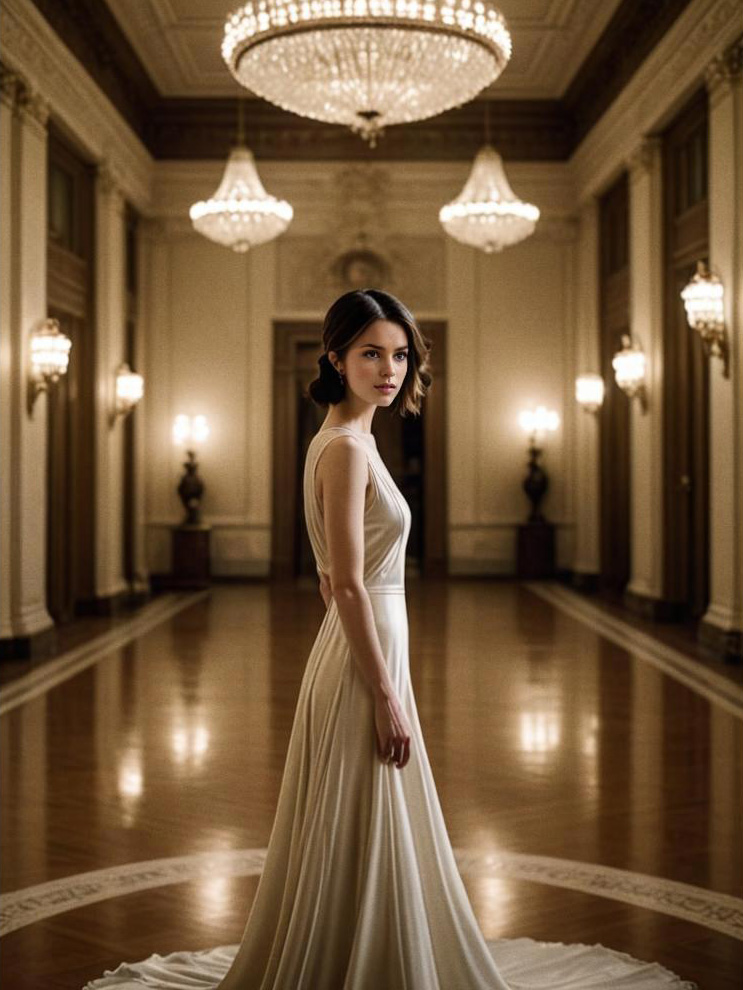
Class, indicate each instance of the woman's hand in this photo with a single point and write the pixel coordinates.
(327, 594)
(393, 730)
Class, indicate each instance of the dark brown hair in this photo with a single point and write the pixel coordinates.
(346, 320)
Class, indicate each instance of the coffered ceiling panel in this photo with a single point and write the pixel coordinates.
(179, 40)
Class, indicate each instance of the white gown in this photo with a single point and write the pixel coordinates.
(360, 888)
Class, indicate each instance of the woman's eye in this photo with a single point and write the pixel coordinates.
(402, 355)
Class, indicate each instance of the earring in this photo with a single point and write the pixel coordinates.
(340, 375)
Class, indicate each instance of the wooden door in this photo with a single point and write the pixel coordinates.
(686, 386)
(70, 582)
(615, 412)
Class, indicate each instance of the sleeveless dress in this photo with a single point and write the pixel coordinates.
(360, 888)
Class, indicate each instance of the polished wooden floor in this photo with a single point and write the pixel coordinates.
(545, 738)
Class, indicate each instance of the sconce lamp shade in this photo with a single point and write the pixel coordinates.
(190, 430)
(629, 367)
(129, 388)
(704, 303)
(538, 421)
(50, 351)
(703, 299)
(589, 391)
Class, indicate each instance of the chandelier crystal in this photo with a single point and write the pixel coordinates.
(366, 63)
(487, 214)
(241, 214)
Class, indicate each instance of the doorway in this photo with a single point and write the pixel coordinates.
(686, 385)
(70, 583)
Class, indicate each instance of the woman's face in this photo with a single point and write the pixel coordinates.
(378, 356)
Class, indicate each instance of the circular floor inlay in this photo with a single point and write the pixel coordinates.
(719, 912)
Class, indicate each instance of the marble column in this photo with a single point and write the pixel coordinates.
(587, 559)
(24, 619)
(722, 625)
(110, 352)
(645, 587)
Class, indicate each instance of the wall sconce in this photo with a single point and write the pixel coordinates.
(50, 357)
(129, 391)
(629, 371)
(589, 392)
(704, 303)
(190, 431)
(537, 423)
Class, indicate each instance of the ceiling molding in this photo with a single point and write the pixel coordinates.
(531, 130)
(633, 32)
(539, 130)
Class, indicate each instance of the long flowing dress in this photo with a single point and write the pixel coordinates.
(360, 888)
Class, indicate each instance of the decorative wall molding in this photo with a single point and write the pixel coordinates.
(664, 81)
(724, 71)
(33, 50)
(641, 159)
(23, 100)
(634, 30)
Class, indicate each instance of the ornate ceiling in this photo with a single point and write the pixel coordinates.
(159, 63)
(178, 42)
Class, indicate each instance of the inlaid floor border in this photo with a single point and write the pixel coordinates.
(719, 912)
(48, 675)
(700, 679)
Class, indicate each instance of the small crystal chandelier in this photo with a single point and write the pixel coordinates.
(367, 63)
(704, 303)
(241, 214)
(629, 370)
(487, 214)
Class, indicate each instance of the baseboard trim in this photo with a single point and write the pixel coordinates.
(38, 646)
(724, 644)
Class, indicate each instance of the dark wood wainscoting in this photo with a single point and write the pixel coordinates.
(70, 582)
(615, 412)
(686, 391)
(414, 449)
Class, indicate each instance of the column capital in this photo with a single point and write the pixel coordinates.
(724, 71)
(10, 83)
(643, 156)
(109, 182)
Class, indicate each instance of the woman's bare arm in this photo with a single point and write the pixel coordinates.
(343, 479)
(343, 471)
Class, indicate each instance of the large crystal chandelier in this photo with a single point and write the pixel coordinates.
(487, 214)
(241, 214)
(367, 63)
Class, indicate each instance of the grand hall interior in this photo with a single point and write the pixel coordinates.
(554, 190)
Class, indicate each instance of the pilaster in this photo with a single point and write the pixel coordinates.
(587, 561)
(110, 352)
(646, 324)
(23, 119)
(722, 626)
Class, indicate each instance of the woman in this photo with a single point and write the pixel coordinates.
(360, 889)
